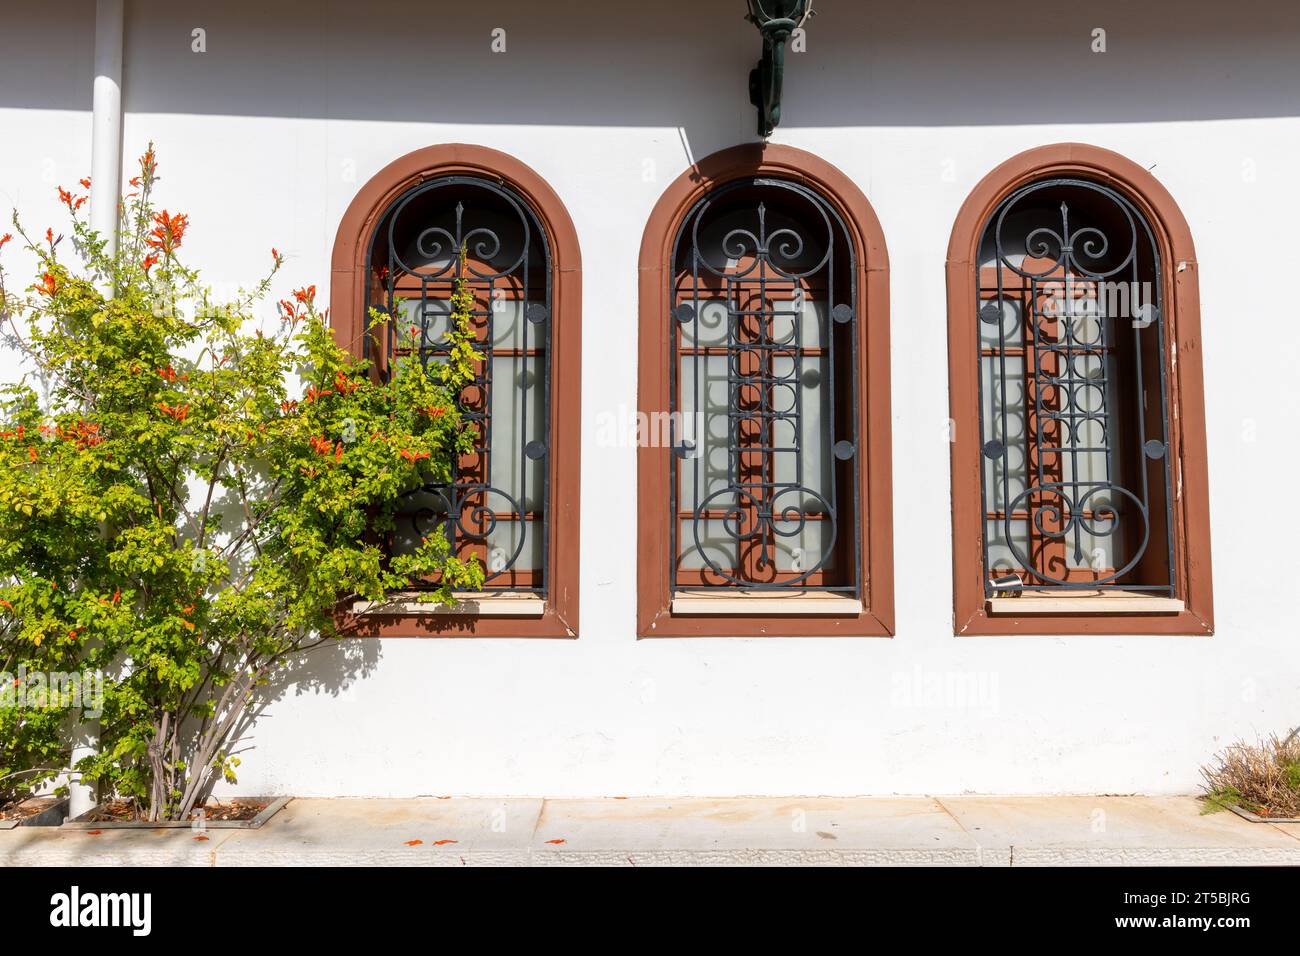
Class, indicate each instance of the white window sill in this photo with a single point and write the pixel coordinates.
(1085, 602)
(733, 601)
(472, 604)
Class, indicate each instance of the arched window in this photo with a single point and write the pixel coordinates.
(471, 217)
(1068, 301)
(765, 428)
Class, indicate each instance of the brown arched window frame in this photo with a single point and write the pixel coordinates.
(351, 284)
(979, 607)
(864, 384)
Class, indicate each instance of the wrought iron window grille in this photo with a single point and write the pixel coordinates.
(1074, 423)
(763, 354)
(497, 505)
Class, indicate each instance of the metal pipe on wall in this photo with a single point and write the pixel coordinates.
(105, 182)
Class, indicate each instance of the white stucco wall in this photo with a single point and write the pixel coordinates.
(265, 138)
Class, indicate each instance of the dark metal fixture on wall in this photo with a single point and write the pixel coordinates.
(776, 21)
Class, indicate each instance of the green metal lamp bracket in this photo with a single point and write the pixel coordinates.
(765, 78)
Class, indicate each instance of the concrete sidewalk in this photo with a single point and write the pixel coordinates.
(962, 831)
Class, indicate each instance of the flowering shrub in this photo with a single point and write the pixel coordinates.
(174, 512)
(32, 748)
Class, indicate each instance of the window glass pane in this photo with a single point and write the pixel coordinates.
(516, 545)
(516, 421)
(717, 541)
(1004, 316)
(704, 472)
(1005, 476)
(799, 320)
(415, 315)
(509, 328)
(1001, 556)
(803, 457)
(803, 544)
(711, 326)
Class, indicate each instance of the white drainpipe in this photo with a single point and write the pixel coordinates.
(106, 125)
(105, 187)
